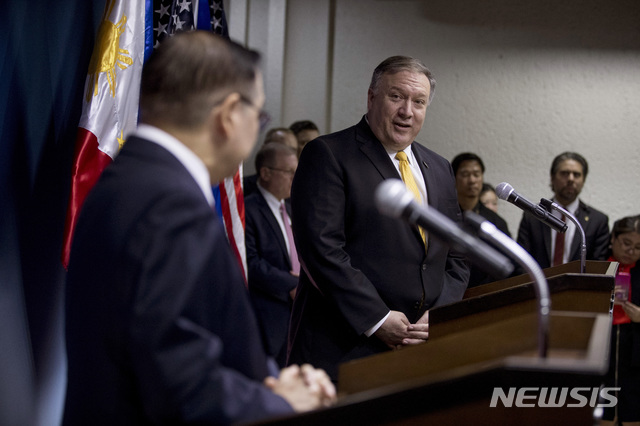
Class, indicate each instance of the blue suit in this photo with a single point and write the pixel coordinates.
(159, 326)
(270, 281)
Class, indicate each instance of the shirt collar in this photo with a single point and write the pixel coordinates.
(189, 160)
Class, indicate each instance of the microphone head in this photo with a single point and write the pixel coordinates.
(392, 197)
(503, 190)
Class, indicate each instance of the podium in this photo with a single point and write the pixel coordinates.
(480, 365)
(570, 291)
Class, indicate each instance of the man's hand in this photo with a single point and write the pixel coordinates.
(397, 331)
(419, 331)
(632, 311)
(304, 388)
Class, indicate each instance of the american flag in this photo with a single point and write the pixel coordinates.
(169, 17)
(129, 31)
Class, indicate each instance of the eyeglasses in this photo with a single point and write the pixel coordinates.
(288, 172)
(263, 117)
(627, 245)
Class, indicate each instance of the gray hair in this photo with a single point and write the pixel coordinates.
(396, 64)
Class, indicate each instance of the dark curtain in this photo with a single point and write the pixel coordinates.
(43, 65)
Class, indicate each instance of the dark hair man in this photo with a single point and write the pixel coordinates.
(272, 259)
(468, 169)
(568, 174)
(159, 327)
(368, 280)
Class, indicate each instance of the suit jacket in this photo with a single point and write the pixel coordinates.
(535, 237)
(250, 184)
(357, 263)
(159, 326)
(270, 281)
(478, 276)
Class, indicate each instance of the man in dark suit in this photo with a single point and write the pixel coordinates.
(272, 259)
(468, 168)
(568, 174)
(159, 326)
(280, 135)
(368, 280)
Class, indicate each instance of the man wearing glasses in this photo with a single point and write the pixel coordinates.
(271, 253)
(159, 327)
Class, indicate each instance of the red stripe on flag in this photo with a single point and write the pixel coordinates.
(228, 221)
(88, 164)
(237, 185)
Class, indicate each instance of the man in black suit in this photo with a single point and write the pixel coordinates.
(568, 175)
(280, 135)
(368, 280)
(468, 168)
(159, 326)
(272, 259)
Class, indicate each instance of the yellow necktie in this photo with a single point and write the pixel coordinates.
(409, 181)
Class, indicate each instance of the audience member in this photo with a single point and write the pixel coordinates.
(272, 259)
(368, 280)
(468, 169)
(488, 197)
(568, 174)
(305, 132)
(624, 356)
(280, 135)
(159, 326)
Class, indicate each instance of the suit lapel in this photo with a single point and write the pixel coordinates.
(375, 152)
(582, 215)
(372, 148)
(266, 212)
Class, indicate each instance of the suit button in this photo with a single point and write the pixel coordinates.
(424, 266)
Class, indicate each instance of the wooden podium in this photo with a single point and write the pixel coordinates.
(488, 341)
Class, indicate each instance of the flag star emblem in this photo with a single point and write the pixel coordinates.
(184, 5)
(178, 23)
(161, 28)
(164, 10)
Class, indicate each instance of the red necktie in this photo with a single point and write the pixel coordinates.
(559, 248)
(293, 254)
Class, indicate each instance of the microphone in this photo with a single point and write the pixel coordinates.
(504, 191)
(393, 199)
(489, 232)
(583, 239)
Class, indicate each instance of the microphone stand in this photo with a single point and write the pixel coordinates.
(488, 231)
(583, 244)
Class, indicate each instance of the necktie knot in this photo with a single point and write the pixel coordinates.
(402, 156)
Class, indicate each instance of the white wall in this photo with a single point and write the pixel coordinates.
(516, 84)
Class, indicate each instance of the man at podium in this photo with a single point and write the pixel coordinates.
(368, 280)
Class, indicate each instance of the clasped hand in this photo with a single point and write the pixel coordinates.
(397, 331)
(304, 388)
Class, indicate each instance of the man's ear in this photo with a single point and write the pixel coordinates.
(225, 119)
(370, 96)
(264, 173)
